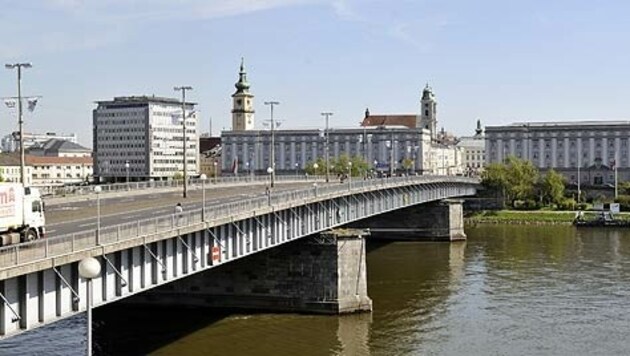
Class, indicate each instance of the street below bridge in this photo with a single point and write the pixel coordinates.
(82, 215)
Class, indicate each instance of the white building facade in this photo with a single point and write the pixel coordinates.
(383, 148)
(50, 171)
(142, 138)
(596, 147)
(474, 152)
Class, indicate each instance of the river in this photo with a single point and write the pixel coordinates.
(508, 290)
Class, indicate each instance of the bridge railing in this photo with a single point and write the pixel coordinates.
(63, 191)
(64, 244)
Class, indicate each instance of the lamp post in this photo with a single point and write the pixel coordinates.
(183, 89)
(327, 115)
(19, 67)
(89, 268)
(272, 154)
(97, 190)
(215, 164)
(127, 169)
(349, 175)
(203, 178)
(297, 165)
(270, 172)
(315, 168)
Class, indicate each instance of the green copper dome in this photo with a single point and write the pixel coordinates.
(242, 86)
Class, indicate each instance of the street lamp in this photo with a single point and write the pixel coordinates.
(127, 169)
(270, 172)
(89, 268)
(97, 190)
(19, 67)
(315, 168)
(297, 165)
(183, 89)
(203, 178)
(327, 115)
(272, 154)
(215, 171)
(349, 175)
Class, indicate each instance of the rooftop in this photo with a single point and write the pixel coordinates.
(391, 120)
(548, 124)
(142, 99)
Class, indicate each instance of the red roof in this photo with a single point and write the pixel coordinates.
(390, 120)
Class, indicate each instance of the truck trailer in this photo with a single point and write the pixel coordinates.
(21, 214)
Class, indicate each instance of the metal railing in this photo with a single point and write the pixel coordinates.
(64, 191)
(64, 244)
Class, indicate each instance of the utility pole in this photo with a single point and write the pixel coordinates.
(272, 154)
(579, 163)
(19, 67)
(183, 89)
(327, 115)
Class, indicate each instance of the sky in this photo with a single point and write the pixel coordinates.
(499, 61)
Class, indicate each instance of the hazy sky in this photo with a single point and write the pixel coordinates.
(497, 60)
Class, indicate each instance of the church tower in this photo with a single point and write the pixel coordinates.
(242, 103)
(428, 113)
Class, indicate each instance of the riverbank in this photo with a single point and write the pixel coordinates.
(533, 217)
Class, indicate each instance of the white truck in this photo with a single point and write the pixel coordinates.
(21, 214)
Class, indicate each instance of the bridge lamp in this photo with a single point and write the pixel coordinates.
(349, 175)
(89, 268)
(98, 190)
(270, 172)
(203, 178)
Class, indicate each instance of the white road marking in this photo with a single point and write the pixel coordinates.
(86, 225)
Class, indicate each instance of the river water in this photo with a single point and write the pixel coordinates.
(508, 290)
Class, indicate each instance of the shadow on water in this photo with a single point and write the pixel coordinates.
(133, 330)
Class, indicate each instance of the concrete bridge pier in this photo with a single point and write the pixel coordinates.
(322, 274)
(438, 221)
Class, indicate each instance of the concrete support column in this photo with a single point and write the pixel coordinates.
(441, 221)
(325, 274)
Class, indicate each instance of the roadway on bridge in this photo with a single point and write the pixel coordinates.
(81, 216)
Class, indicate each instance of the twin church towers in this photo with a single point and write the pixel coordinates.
(243, 107)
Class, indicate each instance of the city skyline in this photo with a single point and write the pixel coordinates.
(497, 62)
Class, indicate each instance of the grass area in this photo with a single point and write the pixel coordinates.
(533, 216)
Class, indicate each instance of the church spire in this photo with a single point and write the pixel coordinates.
(478, 130)
(242, 86)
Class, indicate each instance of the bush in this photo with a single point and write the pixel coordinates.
(624, 202)
(581, 206)
(528, 204)
(567, 204)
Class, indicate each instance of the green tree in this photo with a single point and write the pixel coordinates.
(552, 186)
(407, 164)
(521, 177)
(178, 176)
(359, 166)
(317, 167)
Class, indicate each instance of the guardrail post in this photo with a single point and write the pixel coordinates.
(17, 255)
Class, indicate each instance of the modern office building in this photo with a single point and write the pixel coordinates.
(592, 147)
(141, 138)
(382, 147)
(11, 143)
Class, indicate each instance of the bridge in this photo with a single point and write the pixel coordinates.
(40, 284)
